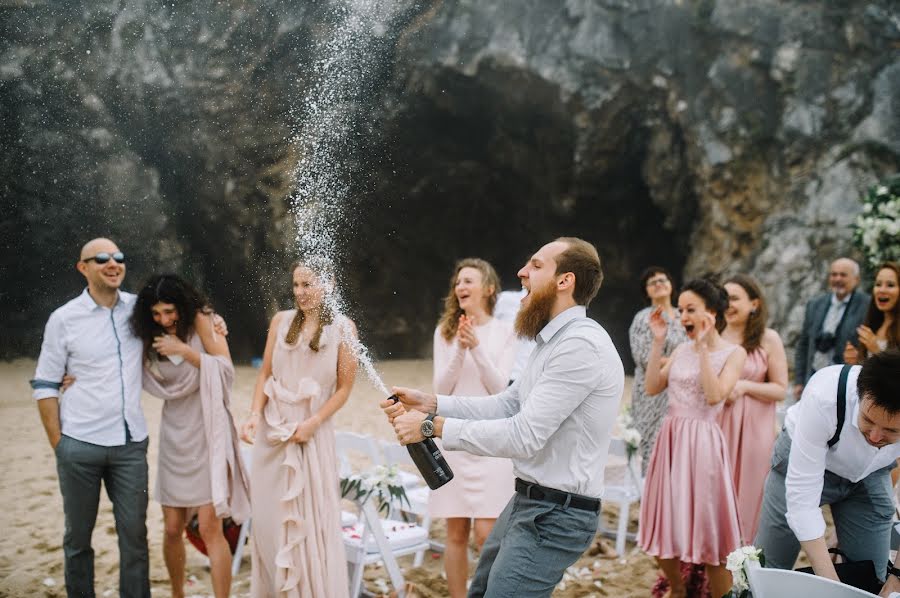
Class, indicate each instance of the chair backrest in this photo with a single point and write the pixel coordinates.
(623, 472)
(396, 454)
(775, 583)
(356, 452)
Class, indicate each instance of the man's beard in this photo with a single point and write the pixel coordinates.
(532, 318)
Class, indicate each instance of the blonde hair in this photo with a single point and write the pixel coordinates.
(326, 317)
(449, 321)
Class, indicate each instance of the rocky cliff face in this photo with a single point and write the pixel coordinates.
(700, 135)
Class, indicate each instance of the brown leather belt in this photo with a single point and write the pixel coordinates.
(566, 499)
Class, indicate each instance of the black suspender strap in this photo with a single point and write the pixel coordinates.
(841, 404)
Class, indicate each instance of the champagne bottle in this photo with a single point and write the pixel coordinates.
(429, 460)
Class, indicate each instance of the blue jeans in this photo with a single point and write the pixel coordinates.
(862, 513)
(530, 547)
(82, 467)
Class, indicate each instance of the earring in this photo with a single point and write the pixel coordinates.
(753, 312)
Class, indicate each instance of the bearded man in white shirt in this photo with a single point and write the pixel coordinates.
(554, 423)
(839, 457)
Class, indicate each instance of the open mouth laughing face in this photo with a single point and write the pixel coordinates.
(886, 290)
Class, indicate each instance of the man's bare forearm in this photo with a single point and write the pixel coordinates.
(817, 553)
(49, 410)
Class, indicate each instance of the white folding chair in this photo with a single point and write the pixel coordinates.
(246, 456)
(777, 583)
(417, 492)
(373, 539)
(623, 486)
(356, 447)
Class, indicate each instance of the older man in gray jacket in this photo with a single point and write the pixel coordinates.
(830, 322)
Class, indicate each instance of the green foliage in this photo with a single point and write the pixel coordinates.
(383, 483)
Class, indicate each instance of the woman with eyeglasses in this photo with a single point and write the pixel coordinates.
(188, 365)
(307, 374)
(748, 418)
(648, 410)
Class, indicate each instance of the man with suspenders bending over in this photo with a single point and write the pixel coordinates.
(837, 448)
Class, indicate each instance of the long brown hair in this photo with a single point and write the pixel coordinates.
(326, 314)
(875, 317)
(755, 327)
(449, 321)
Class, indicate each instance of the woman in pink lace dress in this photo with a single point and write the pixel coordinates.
(307, 373)
(473, 356)
(748, 419)
(689, 509)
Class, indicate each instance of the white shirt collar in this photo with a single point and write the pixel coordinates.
(86, 301)
(561, 319)
(835, 302)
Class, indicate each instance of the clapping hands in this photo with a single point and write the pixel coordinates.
(465, 333)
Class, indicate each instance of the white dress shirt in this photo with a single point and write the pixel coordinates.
(506, 310)
(555, 421)
(95, 345)
(811, 423)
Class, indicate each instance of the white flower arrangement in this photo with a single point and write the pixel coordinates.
(876, 231)
(628, 432)
(735, 563)
(383, 482)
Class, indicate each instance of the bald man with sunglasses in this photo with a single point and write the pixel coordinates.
(97, 430)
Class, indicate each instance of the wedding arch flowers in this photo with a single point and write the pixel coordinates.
(876, 231)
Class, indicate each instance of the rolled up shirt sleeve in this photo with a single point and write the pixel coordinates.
(51, 365)
(570, 374)
(815, 425)
(498, 406)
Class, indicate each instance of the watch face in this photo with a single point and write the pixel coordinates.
(427, 428)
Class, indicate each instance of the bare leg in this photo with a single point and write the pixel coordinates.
(483, 529)
(671, 568)
(173, 547)
(719, 580)
(216, 549)
(456, 555)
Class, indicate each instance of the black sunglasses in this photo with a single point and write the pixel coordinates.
(103, 257)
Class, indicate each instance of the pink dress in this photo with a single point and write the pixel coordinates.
(688, 509)
(748, 425)
(481, 486)
(298, 550)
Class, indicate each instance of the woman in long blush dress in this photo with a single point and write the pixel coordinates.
(748, 419)
(689, 509)
(199, 464)
(473, 356)
(307, 373)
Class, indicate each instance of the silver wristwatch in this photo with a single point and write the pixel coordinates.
(428, 426)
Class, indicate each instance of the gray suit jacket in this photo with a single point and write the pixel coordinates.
(812, 325)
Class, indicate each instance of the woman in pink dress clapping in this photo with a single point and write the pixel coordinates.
(748, 419)
(473, 356)
(689, 509)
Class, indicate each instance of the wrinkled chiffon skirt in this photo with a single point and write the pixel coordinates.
(689, 509)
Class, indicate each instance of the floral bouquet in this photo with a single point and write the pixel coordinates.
(877, 230)
(735, 563)
(629, 433)
(383, 482)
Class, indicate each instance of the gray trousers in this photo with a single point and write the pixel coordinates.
(862, 513)
(530, 547)
(82, 467)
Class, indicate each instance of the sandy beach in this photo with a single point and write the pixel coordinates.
(31, 559)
